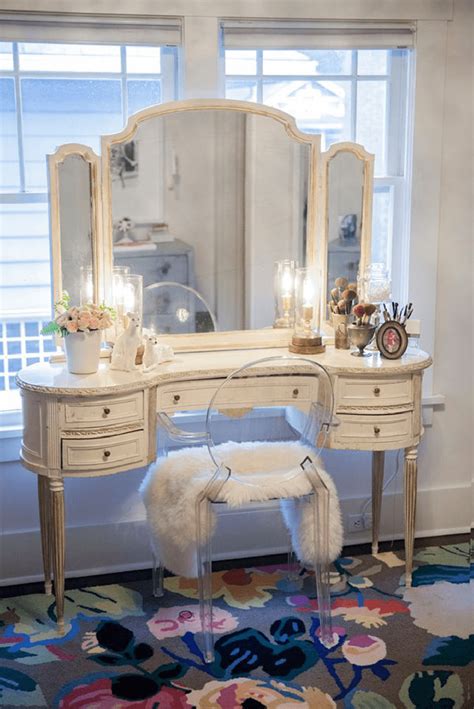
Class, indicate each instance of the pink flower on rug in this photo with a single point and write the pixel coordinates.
(371, 615)
(178, 620)
(364, 650)
(269, 694)
(98, 695)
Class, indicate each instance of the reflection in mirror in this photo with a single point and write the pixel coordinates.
(174, 308)
(75, 225)
(211, 199)
(345, 184)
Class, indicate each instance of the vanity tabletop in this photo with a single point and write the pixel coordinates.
(54, 377)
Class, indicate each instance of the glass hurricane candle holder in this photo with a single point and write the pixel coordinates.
(284, 291)
(375, 286)
(133, 294)
(86, 285)
(307, 337)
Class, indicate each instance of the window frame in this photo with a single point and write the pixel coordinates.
(52, 32)
(200, 75)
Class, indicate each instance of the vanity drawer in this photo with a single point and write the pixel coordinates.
(374, 392)
(104, 412)
(103, 453)
(366, 431)
(259, 391)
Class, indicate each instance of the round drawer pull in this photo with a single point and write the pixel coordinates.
(106, 410)
(176, 398)
(106, 454)
(376, 430)
(296, 392)
(165, 268)
(376, 391)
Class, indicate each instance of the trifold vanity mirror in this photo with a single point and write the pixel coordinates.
(203, 196)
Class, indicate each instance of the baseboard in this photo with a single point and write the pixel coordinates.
(124, 545)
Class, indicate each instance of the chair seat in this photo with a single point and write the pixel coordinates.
(260, 472)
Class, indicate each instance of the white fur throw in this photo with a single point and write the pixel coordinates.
(173, 484)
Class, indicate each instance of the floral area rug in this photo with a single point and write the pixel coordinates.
(392, 646)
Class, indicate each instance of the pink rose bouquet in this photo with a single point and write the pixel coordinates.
(84, 318)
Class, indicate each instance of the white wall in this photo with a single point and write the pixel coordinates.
(108, 509)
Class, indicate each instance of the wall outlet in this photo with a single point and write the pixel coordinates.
(368, 520)
(355, 523)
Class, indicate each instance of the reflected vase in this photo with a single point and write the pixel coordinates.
(83, 351)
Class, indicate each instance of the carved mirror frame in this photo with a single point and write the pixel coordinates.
(367, 160)
(266, 337)
(55, 160)
(101, 214)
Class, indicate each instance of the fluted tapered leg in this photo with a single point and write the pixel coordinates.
(378, 460)
(56, 492)
(410, 509)
(45, 526)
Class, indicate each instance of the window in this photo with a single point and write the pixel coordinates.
(53, 93)
(360, 95)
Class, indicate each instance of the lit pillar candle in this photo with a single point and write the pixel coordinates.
(308, 299)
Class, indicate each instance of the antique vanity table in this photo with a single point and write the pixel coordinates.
(242, 187)
(105, 423)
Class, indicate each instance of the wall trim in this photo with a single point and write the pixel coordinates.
(124, 545)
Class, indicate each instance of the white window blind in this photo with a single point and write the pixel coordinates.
(77, 28)
(316, 35)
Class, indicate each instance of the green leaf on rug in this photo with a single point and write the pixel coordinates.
(433, 689)
(366, 700)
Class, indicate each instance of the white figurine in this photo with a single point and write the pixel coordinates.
(155, 353)
(125, 348)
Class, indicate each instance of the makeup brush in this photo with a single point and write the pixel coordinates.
(369, 310)
(359, 312)
(335, 295)
(341, 306)
(341, 283)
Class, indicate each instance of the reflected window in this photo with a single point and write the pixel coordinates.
(53, 93)
(359, 95)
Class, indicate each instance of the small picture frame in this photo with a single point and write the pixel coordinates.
(392, 339)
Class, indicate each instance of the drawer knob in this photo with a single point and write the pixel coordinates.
(376, 391)
(106, 410)
(165, 268)
(296, 392)
(176, 398)
(106, 454)
(376, 430)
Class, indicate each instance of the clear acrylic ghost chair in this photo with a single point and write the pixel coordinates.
(300, 393)
(174, 308)
(236, 413)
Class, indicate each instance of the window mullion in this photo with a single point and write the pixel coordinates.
(19, 117)
(123, 70)
(259, 76)
(354, 97)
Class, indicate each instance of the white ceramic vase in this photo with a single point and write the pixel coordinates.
(83, 351)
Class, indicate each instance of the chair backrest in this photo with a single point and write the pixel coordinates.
(272, 399)
(170, 307)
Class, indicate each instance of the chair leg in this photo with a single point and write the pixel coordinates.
(321, 563)
(157, 575)
(204, 568)
(320, 508)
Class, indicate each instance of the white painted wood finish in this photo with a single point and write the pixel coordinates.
(105, 423)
